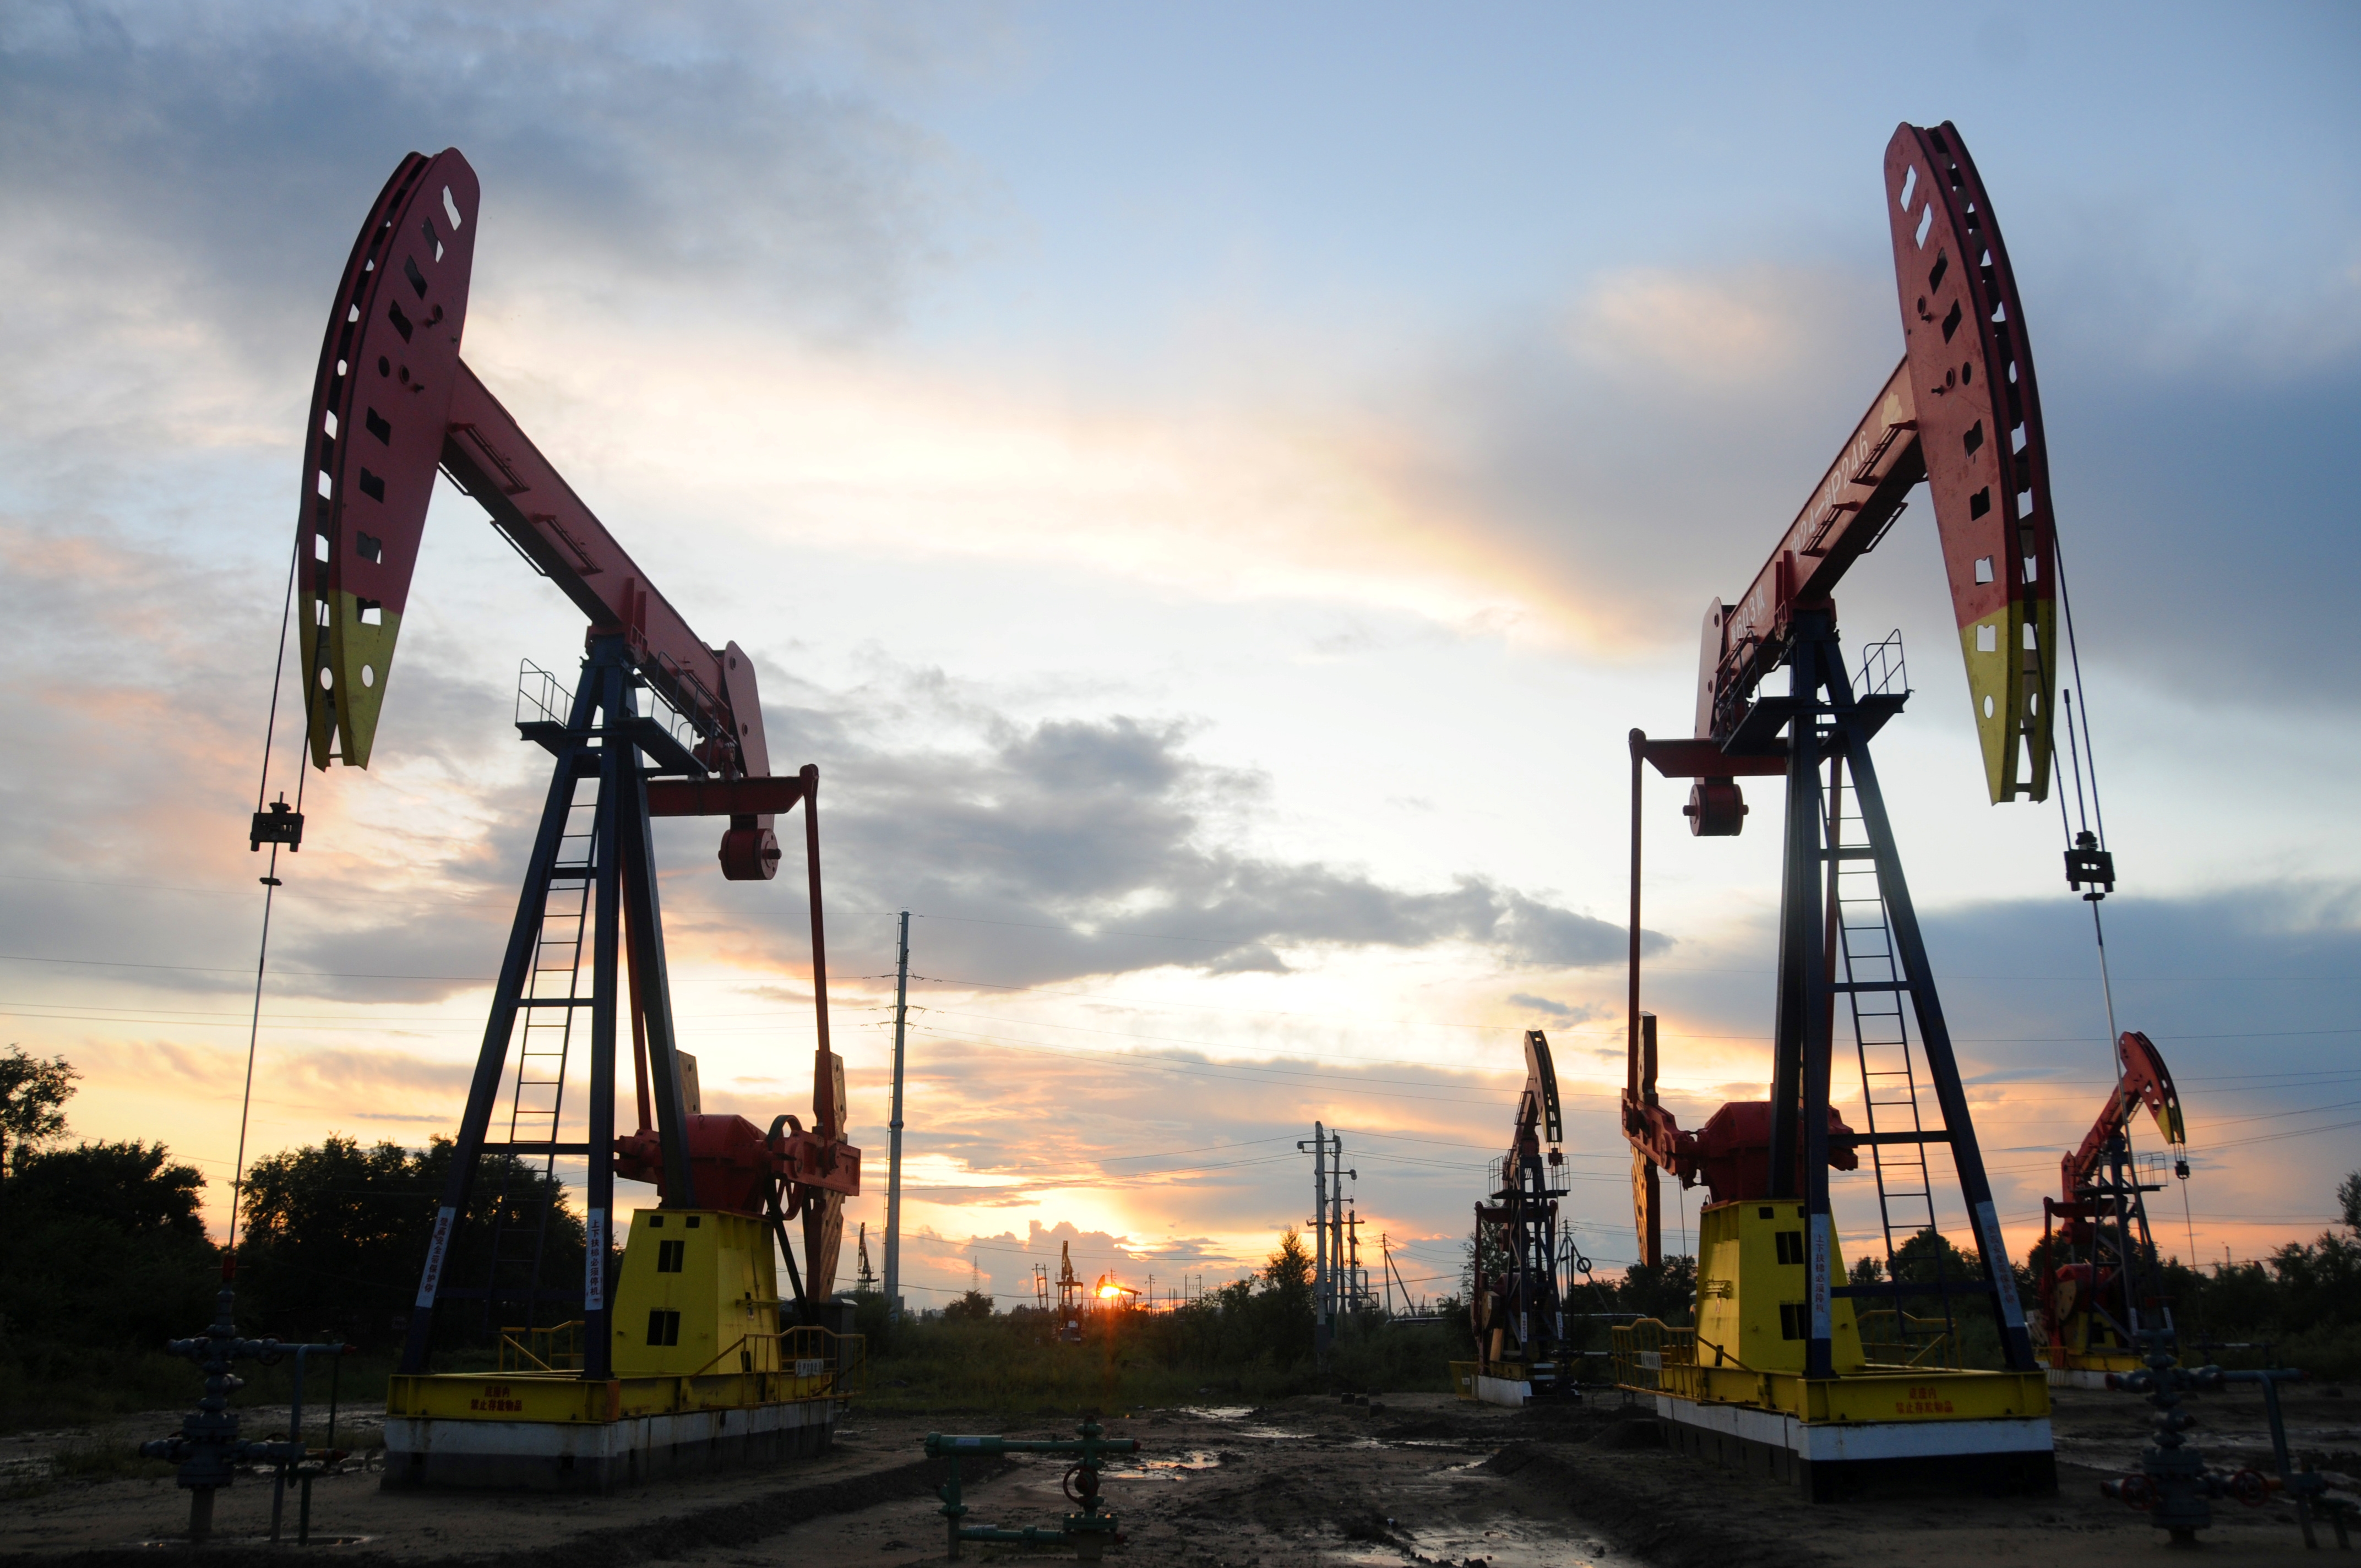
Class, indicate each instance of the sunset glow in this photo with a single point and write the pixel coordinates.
(1213, 516)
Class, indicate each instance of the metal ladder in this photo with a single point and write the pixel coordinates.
(1873, 980)
(553, 997)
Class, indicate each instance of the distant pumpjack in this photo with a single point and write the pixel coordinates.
(1518, 1309)
(2101, 1307)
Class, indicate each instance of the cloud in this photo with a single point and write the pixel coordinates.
(1003, 1263)
(1043, 850)
(1100, 845)
(727, 145)
(1563, 1011)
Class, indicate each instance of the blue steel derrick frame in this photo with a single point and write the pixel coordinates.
(599, 739)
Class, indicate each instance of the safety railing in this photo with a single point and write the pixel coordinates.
(540, 699)
(1881, 667)
(843, 1359)
(840, 1361)
(1890, 1337)
(554, 1349)
(1644, 1350)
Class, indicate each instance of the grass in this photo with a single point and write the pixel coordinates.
(1009, 1366)
(58, 1386)
(112, 1455)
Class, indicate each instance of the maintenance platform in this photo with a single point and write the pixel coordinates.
(702, 1376)
(1733, 1389)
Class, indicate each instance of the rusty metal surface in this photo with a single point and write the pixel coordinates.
(380, 397)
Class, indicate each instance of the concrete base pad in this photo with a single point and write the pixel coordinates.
(1826, 1462)
(1512, 1392)
(600, 1457)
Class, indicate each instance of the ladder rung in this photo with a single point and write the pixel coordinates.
(555, 1001)
(1859, 987)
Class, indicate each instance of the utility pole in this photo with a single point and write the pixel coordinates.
(1319, 1244)
(1342, 1280)
(1352, 1250)
(894, 1136)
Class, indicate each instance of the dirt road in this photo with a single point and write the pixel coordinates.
(1399, 1480)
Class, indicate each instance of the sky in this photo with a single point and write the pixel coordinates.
(1210, 488)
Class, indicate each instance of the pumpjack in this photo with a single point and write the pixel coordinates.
(2101, 1310)
(1796, 1367)
(1070, 1296)
(689, 1353)
(1517, 1308)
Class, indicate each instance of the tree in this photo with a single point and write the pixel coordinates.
(2348, 1199)
(33, 1093)
(1667, 1292)
(129, 1187)
(335, 1235)
(1290, 1269)
(973, 1306)
(102, 1247)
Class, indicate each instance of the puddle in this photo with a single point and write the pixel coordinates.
(214, 1542)
(1505, 1546)
(1163, 1469)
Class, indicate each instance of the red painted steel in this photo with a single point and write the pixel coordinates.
(1863, 491)
(391, 402)
(723, 797)
(1979, 428)
(389, 362)
(736, 1167)
(2074, 1279)
(1705, 760)
(2145, 1081)
(1961, 412)
(495, 462)
(1731, 1152)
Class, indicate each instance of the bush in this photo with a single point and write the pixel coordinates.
(103, 1258)
(334, 1237)
(1249, 1341)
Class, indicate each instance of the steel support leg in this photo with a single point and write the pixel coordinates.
(516, 965)
(1935, 1037)
(599, 739)
(1801, 967)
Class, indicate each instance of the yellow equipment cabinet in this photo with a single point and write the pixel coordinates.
(1733, 1388)
(703, 1374)
(699, 1294)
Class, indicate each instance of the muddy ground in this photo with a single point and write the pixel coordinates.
(1401, 1479)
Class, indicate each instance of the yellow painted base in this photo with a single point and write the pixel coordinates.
(1872, 1394)
(567, 1398)
(1753, 1307)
